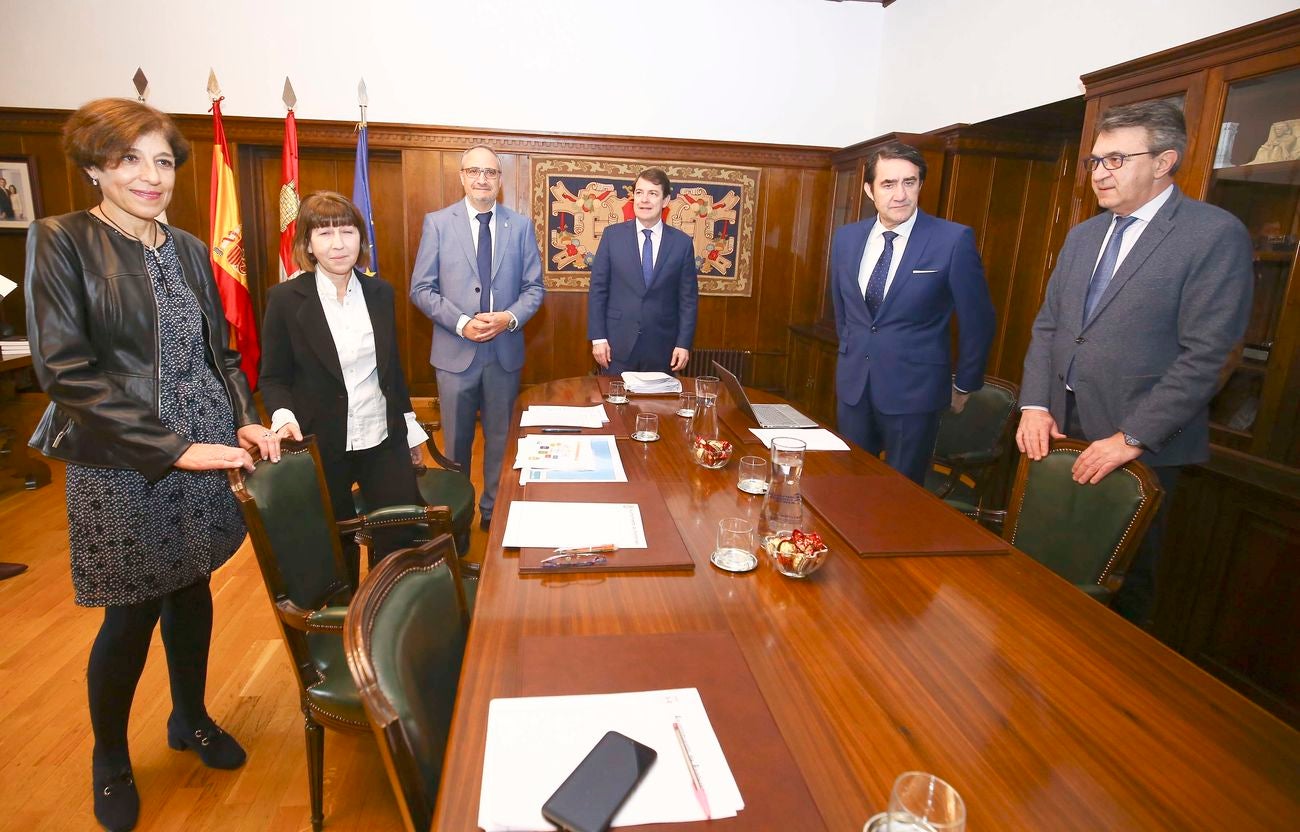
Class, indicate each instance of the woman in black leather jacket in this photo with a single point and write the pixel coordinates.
(148, 407)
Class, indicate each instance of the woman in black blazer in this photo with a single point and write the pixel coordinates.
(330, 367)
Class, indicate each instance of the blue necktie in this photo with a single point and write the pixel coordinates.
(647, 257)
(484, 261)
(1105, 267)
(876, 283)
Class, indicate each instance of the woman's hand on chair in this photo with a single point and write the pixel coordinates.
(204, 456)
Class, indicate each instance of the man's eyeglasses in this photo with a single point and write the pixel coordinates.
(475, 173)
(1111, 161)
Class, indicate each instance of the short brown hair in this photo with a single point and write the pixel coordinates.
(658, 177)
(100, 131)
(327, 209)
(894, 150)
(1163, 120)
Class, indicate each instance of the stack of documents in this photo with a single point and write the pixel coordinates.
(15, 348)
(543, 458)
(566, 417)
(533, 743)
(651, 383)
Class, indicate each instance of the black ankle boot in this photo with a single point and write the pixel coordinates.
(117, 803)
(215, 747)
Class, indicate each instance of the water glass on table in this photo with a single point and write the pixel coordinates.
(686, 405)
(753, 475)
(735, 549)
(647, 427)
(617, 392)
(706, 387)
(921, 802)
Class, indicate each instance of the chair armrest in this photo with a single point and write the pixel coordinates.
(434, 451)
(972, 459)
(396, 516)
(323, 620)
(1099, 593)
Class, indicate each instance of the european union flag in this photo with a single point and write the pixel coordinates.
(361, 195)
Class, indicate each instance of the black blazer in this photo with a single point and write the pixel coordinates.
(300, 365)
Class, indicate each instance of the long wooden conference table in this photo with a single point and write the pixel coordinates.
(1044, 710)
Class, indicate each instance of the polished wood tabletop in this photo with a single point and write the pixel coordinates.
(1045, 710)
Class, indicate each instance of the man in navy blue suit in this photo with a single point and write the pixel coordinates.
(644, 292)
(896, 280)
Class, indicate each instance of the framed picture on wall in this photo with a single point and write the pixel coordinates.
(20, 198)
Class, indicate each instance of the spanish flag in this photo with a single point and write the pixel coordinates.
(227, 250)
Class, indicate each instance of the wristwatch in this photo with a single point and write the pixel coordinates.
(1132, 441)
(513, 325)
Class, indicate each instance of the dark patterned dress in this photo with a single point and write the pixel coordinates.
(131, 540)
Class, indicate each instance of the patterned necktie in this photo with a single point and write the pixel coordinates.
(1105, 267)
(484, 261)
(876, 283)
(647, 257)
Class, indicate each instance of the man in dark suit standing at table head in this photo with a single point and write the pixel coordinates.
(1146, 303)
(478, 276)
(644, 290)
(896, 280)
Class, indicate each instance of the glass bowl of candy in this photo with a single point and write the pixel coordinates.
(710, 453)
(796, 554)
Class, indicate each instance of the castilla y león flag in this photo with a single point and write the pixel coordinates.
(227, 251)
(288, 195)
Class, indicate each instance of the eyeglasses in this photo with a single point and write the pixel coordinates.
(1112, 161)
(475, 173)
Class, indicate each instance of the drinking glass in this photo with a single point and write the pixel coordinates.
(706, 387)
(735, 540)
(647, 427)
(921, 802)
(686, 405)
(617, 392)
(753, 475)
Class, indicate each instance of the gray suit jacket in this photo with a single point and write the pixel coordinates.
(1148, 361)
(445, 283)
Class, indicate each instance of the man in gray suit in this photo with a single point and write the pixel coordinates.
(478, 276)
(1146, 303)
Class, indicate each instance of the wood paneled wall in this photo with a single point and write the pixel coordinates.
(413, 171)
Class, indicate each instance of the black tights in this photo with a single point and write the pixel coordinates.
(118, 656)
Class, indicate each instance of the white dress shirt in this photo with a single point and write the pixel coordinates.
(354, 339)
(656, 240)
(876, 247)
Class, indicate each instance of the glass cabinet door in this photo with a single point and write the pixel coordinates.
(1256, 176)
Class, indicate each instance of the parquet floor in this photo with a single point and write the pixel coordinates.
(45, 740)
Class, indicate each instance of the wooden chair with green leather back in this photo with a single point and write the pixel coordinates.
(969, 447)
(447, 484)
(405, 637)
(287, 508)
(1087, 534)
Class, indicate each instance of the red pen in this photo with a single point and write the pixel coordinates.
(700, 794)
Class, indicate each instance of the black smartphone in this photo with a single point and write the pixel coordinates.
(589, 798)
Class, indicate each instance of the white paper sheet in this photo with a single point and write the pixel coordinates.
(563, 416)
(817, 439)
(534, 743)
(553, 525)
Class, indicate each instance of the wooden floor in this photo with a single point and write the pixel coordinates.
(45, 740)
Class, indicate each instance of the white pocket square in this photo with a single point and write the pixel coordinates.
(925, 271)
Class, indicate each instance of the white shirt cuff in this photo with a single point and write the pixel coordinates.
(460, 325)
(282, 417)
(595, 341)
(415, 435)
(1032, 407)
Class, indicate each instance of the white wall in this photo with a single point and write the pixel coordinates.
(964, 61)
(740, 70)
(798, 71)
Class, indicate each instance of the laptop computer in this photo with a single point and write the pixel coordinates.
(766, 415)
